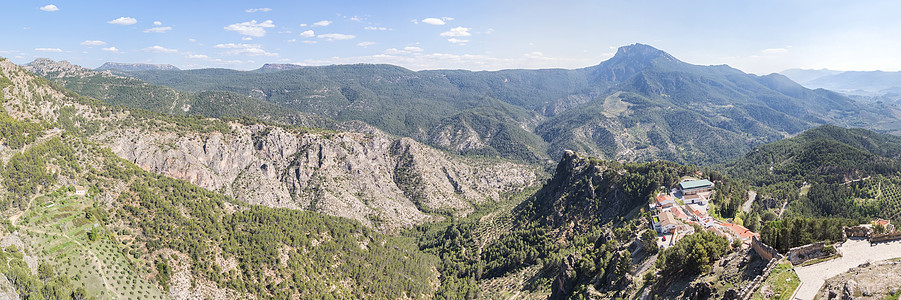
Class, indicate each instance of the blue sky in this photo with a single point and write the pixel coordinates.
(755, 36)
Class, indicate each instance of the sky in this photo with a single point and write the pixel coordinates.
(758, 37)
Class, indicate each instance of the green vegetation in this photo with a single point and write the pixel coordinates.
(782, 283)
(46, 285)
(27, 172)
(792, 232)
(15, 134)
(693, 254)
(136, 94)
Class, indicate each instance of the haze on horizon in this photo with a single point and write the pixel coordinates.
(759, 37)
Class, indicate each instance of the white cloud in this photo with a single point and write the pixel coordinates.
(251, 28)
(48, 49)
(458, 41)
(124, 21)
(457, 31)
(395, 51)
(413, 49)
(157, 23)
(192, 40)
(263, 9)
(49, 7)
(110, 49)
(93, 43)
(365, 44)
(291, 40)
(322, 23)
(489, 31)
(375, 28)
(245, 49)
(775, 50)
(197, 56)
(160, 49)
(356, 19)
(336, 36)
(433, 21)
(158, 29)
(303, 25)
(309, 42)
(246, 38)
(308, 33)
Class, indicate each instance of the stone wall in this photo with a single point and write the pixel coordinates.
(876, 238)
(857, 231)
(799, 255)
(765, 251)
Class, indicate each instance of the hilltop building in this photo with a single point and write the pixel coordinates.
(692, 187)
(666, 222)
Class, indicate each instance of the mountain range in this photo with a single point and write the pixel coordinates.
(135, 67)
(642, 104)
(861, 83)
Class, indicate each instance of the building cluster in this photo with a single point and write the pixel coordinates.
(676, 212)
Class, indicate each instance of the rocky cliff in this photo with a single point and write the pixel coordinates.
(379, 180)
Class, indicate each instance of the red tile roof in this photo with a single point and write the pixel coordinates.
(741, 231)
(662, 198)
(677, 212)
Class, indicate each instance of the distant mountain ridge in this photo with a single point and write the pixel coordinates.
(865, 83)
(278, 67)
(129, 67)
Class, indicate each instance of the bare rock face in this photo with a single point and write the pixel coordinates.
(383, 182)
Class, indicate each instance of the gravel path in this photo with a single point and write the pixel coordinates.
(854, 253)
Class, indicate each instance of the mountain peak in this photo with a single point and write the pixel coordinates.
(640, 52)
(630, 60)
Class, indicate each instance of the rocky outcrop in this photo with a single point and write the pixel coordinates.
(382, 181)
(57, 69)
(877, 280)
(583, 192)
(565, 279)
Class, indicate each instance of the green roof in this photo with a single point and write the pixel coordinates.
(695, 184)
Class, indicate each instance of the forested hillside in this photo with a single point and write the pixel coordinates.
(819, 181)
(132, 93)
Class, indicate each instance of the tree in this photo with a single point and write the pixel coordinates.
(45, 271)
(649, 241)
